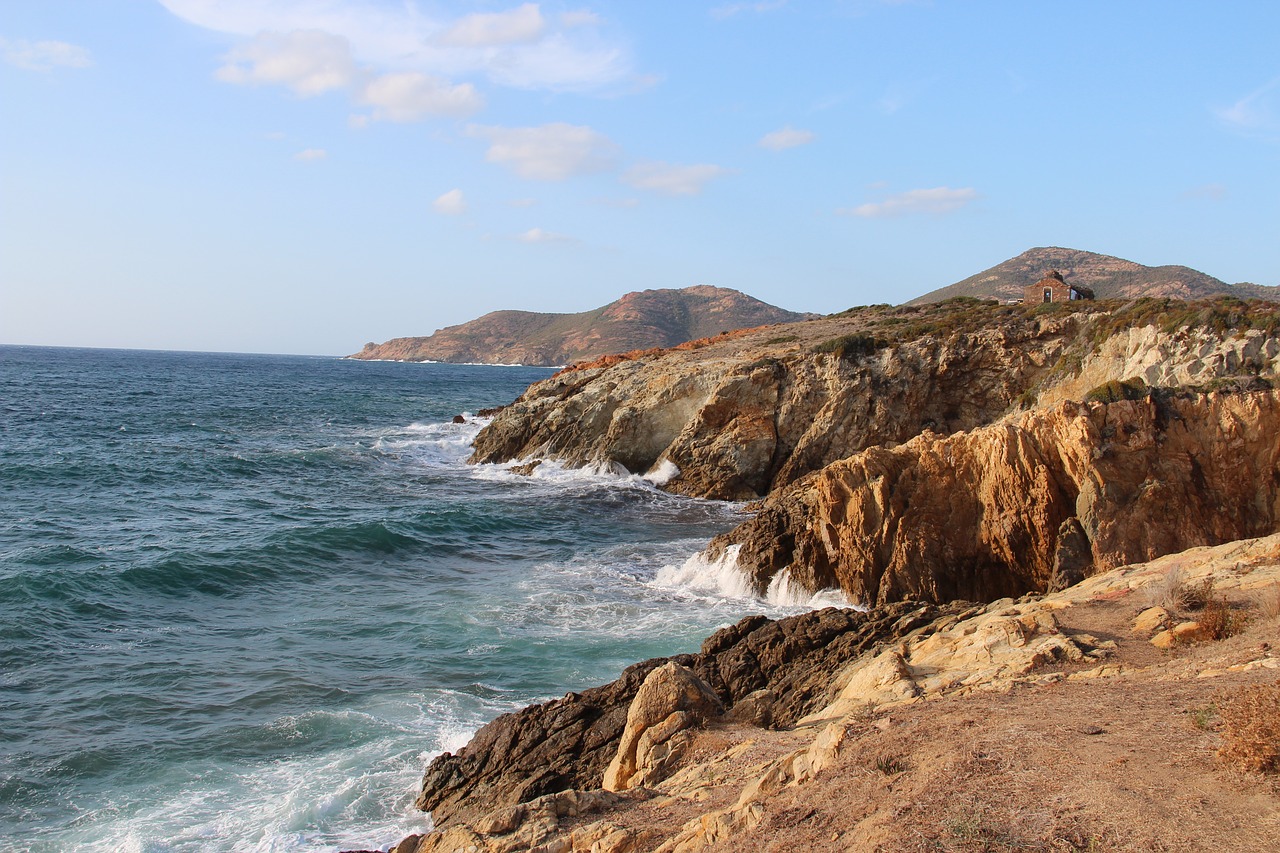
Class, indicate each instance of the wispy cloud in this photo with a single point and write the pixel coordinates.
(1257, 113)
(938, 200)
(411, 96)
(520, 47)
(521, 25)
(539, 235)
(671, 179)
(451, 203)
(43, 55)
(787, 137)
(308, 155)
(551, 152)
(309, 62)
(314, 62)
(729, 10)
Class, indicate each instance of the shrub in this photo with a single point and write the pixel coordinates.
(1251, 727)
(1218, 621)
(1117, 390)
(782, 339)
(890, 765)
(851, 346)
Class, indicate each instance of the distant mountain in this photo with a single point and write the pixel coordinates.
(1110, 278)
(641, 320)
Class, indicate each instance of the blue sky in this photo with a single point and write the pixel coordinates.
(307, 175)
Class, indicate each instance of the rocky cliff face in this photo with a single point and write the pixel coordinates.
(640, 320)
(765, 672)
(740, 417)
(1037, 500)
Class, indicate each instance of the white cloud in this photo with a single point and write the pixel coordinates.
(311, 154)
(518, 48)
(539, 235)
(310, 62)
(670, 179)
(521, 25)
(451, 203)
(522, 202)
(43, 55)
(580, 18)
(936, 201)
(551, 152)
(787, 137)
(1257, 112)
(411, 96)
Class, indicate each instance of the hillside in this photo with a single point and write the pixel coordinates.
(1110, 278)
(640, 320)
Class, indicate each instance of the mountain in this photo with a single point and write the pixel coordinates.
(640, 320)
(1110, 278)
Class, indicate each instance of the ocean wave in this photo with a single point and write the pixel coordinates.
(722, 578)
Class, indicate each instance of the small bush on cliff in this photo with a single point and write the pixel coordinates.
(851, 346)
(1251, 727)
(1218, 621)
(1117, 390)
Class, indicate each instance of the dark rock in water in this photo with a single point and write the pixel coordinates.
(459, 419)
(569, 742)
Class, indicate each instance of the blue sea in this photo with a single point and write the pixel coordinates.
(245, 599)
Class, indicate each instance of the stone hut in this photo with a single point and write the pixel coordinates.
(1052, 288)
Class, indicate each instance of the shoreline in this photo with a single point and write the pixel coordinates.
(1080, 640)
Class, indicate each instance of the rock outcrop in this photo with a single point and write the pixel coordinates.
(569, 743)
(671, 701)
(738, 418)
(640, 320)
(1075, 488)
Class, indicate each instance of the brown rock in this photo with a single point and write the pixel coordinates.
(671, 700)
(1152, 619)
(978, 515)
(568, 743)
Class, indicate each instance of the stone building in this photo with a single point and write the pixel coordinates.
(1052, 288)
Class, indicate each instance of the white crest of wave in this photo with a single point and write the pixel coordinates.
(662, 473)
(720, 577)
(723, 577)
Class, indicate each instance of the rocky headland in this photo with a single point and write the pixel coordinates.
(1109, 277)
(640, 320)
(1005, 489)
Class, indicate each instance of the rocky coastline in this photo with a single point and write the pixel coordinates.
(982, 479)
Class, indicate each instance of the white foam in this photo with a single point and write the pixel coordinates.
(723, 577)
(720, 577)
(662, 473)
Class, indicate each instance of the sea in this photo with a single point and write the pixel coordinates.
(245, 599)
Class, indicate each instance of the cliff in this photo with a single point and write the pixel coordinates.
(641, 320)
(1055, 722)
(738, 417)
(1032, 502)
(1108, 277)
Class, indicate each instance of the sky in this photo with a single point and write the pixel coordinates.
(303, 176)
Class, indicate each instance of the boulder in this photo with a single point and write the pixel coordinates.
(671, 700)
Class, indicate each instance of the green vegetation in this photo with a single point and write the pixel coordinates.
(1117, 390)
(849, 347)
(782, 339)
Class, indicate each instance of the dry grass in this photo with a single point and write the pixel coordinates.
(1218, 620)
(1267, 600)
(1251, 728)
